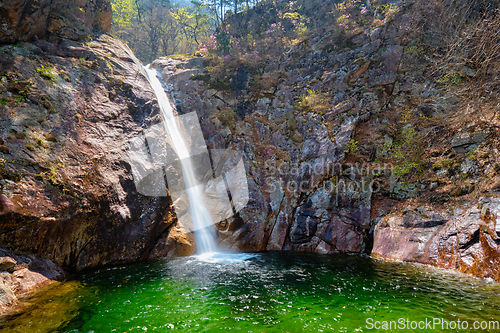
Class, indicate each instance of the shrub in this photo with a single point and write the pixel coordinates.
(226, 116)
(48, 73)
(352, 146)
(450, 78)
(315, 102)
(407, 152)
(463, 34)
(3, 163)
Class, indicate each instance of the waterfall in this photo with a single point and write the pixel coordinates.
(202, 222)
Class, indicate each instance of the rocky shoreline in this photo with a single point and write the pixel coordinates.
(21, 274)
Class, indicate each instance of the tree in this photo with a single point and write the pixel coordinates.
(154, 28)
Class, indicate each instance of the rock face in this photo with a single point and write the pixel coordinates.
(306, 194)
(28, 20)
(20, 274)
(468, 241)
(301, 198)
(469, 140)
(67, 114)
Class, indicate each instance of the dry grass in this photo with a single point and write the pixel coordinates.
(464, 36)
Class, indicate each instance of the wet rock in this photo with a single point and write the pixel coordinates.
(25, 274)
(252, 225)
(273, 219)
(304, 226)
(7, 297)
(177, 242)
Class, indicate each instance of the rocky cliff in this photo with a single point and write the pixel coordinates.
(350, 148)
(293, 170)
(67, 112)
(467, 241)
(68, 109)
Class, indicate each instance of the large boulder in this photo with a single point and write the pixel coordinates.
(467, 241)
(20, 274)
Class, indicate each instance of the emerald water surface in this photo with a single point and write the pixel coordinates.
(268, 292)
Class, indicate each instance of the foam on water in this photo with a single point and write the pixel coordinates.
(224, 257)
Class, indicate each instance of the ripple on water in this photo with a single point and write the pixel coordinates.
(248, 292)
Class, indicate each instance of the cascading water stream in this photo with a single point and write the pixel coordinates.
(201, 219)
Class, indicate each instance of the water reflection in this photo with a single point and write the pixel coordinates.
(271, 292)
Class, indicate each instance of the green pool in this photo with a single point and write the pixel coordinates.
(267, 292)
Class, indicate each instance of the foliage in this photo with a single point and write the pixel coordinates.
(315, 102)
(450, 78)
(123, 12)
(48, 73)
(465, 35)
(3, 163)
(443, 164)
(154, 28)
(298, 21)
(407, 151)
(226, 117)
(352, 146)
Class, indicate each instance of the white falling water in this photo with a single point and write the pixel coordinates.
(205, 240)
